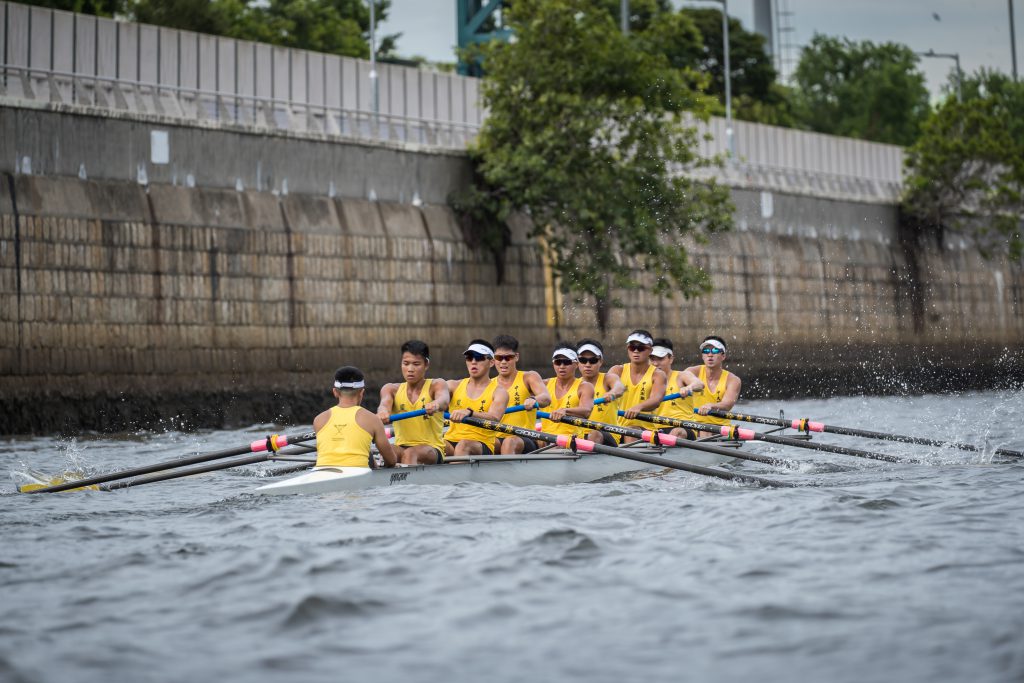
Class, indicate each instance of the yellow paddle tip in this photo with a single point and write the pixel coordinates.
(44, 481)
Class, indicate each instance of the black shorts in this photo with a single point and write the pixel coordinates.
(439, 452)
(486, 449)
(529, 445)
(688, 434)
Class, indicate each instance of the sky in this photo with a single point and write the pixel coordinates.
(976, 29)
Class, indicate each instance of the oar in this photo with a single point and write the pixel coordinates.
(666, 439)
(597, 401)
(271, 444)
(806, 425)
(738, 434)
(591, 447)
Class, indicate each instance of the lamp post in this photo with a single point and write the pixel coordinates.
(730, 139)
(955, 56)
(1013, 42)
(373, 58)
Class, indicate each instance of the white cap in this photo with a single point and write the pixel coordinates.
(349, 385)
(593, 349)
(661, 351)
(714, 343)
(480, 349)
(565, 351)
(642, 338)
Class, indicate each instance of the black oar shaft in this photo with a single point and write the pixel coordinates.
(771, 438)
(681, 443)
(624, 453)
(172, 464)
(802, 425)
(178, 473)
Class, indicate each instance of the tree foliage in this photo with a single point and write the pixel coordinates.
(861, 90)
(586, 134)
(966, 172)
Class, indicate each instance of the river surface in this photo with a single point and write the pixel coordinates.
(868, 571)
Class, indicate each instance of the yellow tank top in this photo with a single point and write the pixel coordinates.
(678, 408)
(342, 442)
(709, 395)
(636, 393)
(603, 412)
(517, 393)
(460, 431)
(571, 399)
(417, 431)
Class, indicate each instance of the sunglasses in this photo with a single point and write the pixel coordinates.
(504, 359)
(638, 347)
(590, 360)
(712, 350)
(561, 361)
(475, 356)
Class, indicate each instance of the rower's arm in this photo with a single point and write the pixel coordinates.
(320, 421)
(732, 393)
(498, 404)
(538, 390)
(387, 401)
(658, 383)
(441, 396)
(613, 385)
(586, 394)
(373, 424)
(690, 382)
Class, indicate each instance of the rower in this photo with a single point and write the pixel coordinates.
(644, 383)
(345, 431)
(607, 385)
(721, 387)
(418, 441)
(524, 389)
(681, 382)
(570, 395)
(476, 396)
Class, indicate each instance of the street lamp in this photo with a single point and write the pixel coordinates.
(728, 77)
(373, 58)
(955, 56)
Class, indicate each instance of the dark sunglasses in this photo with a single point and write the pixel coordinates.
(590, 360)
(475, 356)
(712, 350)
(562, 361)
(638, 347)
(503, 358)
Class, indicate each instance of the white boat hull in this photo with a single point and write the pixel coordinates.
(563, 468)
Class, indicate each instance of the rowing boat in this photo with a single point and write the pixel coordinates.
(545, 468)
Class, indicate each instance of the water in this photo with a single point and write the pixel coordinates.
(870, 571)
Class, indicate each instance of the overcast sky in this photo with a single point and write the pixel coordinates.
(976, 29)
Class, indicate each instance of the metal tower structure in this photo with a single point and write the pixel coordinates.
(479, 21)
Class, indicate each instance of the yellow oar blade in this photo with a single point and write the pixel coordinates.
(37, 480)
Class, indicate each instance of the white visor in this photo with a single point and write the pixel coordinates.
(642, 338)
(349, 385)
(568, 353)
(593, 349)
(661, 352)
(481, 349)
(714, 343)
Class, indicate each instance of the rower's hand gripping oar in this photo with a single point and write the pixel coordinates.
(658, 439)
(806, 425)
(586, 446)
(739, 434)
(269, 446)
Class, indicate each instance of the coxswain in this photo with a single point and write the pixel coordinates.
(345, 431)
(524, 389)
(721, 387)
(418, 440)
(476, 396)
(570, 395)
(644, 383)
(607, 385)
(681, 382)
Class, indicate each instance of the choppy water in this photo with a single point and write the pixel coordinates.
(870, 572)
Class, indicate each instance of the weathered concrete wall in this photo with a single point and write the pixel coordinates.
(125, 304)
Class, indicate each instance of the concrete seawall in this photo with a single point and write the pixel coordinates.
(125, 304)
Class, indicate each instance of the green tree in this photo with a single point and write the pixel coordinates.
(966, 172)
(861, 90)
(586, 135)
(101, 8)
